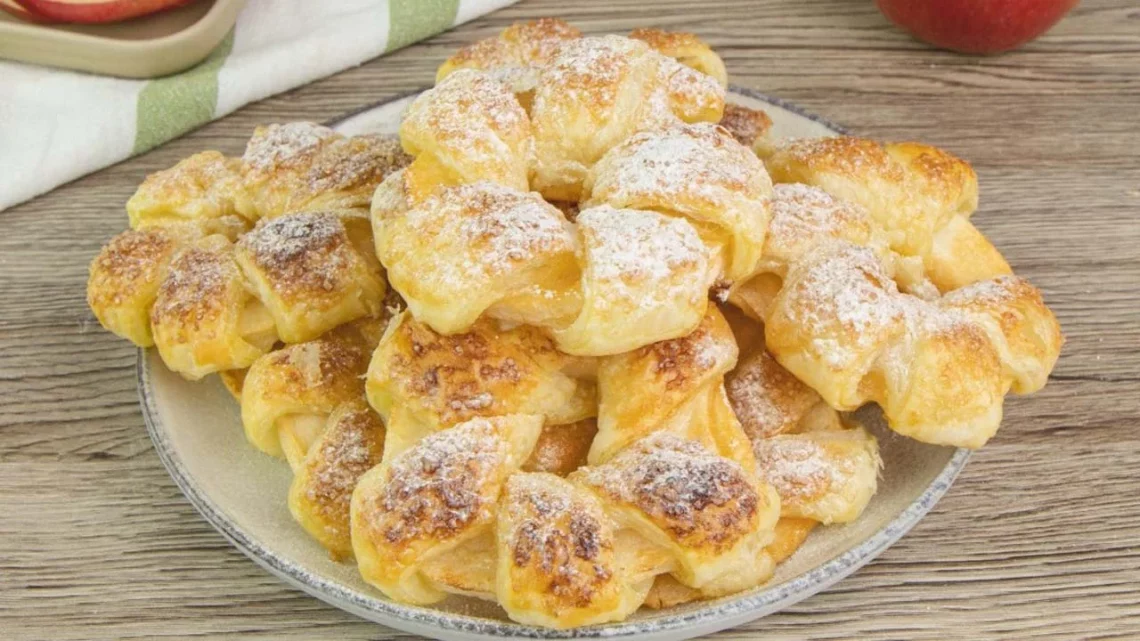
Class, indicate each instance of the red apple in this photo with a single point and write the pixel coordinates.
(976, 26)
(91, 11)
(11, 7)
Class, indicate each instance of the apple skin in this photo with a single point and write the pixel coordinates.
(11, 7)
(976, 26)
(96, 11)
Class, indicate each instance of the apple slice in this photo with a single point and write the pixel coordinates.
(92, 11)
(10, 6)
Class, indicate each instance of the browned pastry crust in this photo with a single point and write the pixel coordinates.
(674, 386)
(352, 443)
(746, 125)
(566, 552)
(302, 166)
(124, 279)
(515, 55)
(289, 394)
(940, 369)
(920, 196)
(310, 272)
(203, 318)
(687, 49)
(422, 381)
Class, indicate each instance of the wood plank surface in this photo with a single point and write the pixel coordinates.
(1038, 539)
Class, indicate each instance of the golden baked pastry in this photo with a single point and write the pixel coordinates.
(124, 278)
(645, 278)
(288, 394)
(565, 552)
(687, 49)
(566, 419)
(515, 55)
(596, 92)
(748, 126)
(940, 369)
(351, 443)
(421, 381)
(478, 248)
(204, 319)
(788, 535)
(467, 128)
(921, 196)
(674, 386)
(285, 168)
(614, 280)
(302, 166)
(698, 172)
(201, 191)
(313, 271)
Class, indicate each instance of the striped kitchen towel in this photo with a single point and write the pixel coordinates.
(58, 125)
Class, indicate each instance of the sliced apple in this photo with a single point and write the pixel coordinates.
(10, 6)
(93, 11)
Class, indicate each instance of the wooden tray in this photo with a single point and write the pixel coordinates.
(154, 45)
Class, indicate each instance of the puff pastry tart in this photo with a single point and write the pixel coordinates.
(921, 196)
(940, 369)
(515, 55)
(301, 166)
(285, 168)
(614, 280)
(467, 128)
(563, 553)
(595, 93)
(124, 278)
(313, 271)
(351, 443)
(698, 172)
(519, 52)
(288, 394)
(674, 386)
(201, 191)
(204, 319)
(475, 249)
(421, 381)
(824, 467)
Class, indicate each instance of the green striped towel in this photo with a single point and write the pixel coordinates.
(57, 125)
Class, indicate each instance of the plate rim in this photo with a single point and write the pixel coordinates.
(721, 614)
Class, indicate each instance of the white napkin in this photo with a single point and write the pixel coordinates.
(58, 125)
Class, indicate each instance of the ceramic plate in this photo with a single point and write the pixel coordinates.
(196, 428)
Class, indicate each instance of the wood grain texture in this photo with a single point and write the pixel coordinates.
(1039, 538)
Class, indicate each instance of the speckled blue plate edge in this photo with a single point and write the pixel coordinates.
(718, 615)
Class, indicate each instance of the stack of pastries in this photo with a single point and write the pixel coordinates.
(579, 339)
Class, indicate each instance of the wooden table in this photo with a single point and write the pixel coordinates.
(1039, 538)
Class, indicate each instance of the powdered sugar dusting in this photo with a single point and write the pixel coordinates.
(560, 534)
(350, 447)
(684, 488)
(844, 298)
(305, 252)
(474, 121)
(766, 398)
(628, 249)
(504, 229)
(798, 468)
(194, 290)
(442, 485)
(993, 291)
(701, 161)
(277, 145)
(802, 214)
